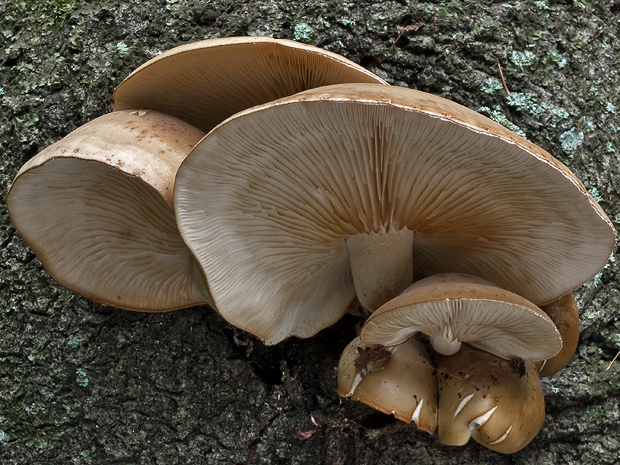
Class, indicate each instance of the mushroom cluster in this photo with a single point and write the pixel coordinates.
(318, 185)
(97, 206)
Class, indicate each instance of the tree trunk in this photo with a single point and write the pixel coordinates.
(83, 383)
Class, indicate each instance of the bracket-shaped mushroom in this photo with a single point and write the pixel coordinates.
(565, 315)
(96, 208)
(453, 308)
(277, 203)
(205, 82)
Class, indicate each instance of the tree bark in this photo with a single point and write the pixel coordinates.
(81, 383)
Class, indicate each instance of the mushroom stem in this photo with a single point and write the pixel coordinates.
(381, 265)
(446, 344)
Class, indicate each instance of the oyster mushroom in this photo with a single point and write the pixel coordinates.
(278, 202)
(454, 308)
(565, 315)
(497, 402)
(205, 82)
(96, 208)
(398, 380)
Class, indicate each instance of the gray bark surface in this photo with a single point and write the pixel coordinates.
(81, 383)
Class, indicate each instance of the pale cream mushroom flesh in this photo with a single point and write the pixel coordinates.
(454, 308)
(399, 380)
(499, 403)
(97, 209)
(277, 202)
(205, 82)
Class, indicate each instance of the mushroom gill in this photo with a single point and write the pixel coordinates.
(452, 308)
(96, 208)
(276, 202)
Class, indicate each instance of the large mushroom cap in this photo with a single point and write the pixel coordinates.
(205, 82)
(96, 208)
(455, 308)
(267, 201)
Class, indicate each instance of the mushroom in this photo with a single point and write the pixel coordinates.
(291, 207)
(497, 402)
(97, 209)
(205, 82)
(454, 308)
(565, 315)
(398, 380)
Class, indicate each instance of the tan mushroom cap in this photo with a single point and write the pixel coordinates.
(497, 402)
(268, 201)
(402, 382)
(565, 315)
(96, 208)
(454, 308)
(205, 82)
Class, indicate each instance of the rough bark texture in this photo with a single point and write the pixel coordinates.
(84, 383)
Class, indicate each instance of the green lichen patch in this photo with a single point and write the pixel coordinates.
(570, 140)
(303, 32)
(497, 116)
(522, 58)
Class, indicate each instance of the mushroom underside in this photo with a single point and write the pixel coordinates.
(452, 308)
(205, 82)
(106, 235)
(284, 185)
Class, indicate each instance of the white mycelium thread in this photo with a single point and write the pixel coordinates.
(479, 421)
(504, 436)
(416, 413)
(462, 404)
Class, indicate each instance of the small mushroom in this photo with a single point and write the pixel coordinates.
(97, 209)
(292, 207)
(205, 82)
(398, 380)
(454, 308)
(497, 402)
(565, 315)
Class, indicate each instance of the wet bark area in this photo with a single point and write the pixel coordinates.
(81, 383)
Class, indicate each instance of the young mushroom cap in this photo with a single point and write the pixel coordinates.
(399, 380)
(280, 201)
(205, 82)
(454, 308)
(97, 209)
(565, 315)
(497, 402)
